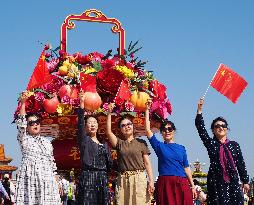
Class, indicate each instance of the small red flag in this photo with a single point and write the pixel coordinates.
(228, 83)
(123, 93)
(87, 82)
(40, 74)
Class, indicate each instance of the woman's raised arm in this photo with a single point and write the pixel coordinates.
(111, 136)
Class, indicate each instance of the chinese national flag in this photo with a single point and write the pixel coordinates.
(228, 83)
(87, 82)
(123, 93)
(40, 74)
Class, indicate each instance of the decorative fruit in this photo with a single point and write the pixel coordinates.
(139, 100)
(66, 63)
(63, 70)
(68, 90)
(92, 101)
(50, 105)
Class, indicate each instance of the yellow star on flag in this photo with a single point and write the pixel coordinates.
(223, 72)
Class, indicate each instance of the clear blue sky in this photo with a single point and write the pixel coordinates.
(184, 42)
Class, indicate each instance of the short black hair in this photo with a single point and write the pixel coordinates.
(165, 123)
(33, 115)
(218, 119)
(128, 117)
(86, 117)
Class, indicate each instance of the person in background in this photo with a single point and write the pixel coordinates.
(10, 189)
(36, 183)
(201, 196)
(132, 187)
(65, 189)
(174, 185)
(3, 193)
(71, 193)
(226, 163)
(95, 157)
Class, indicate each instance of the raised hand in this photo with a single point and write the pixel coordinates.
(111, 107)
(149, 104)
(24, 96)
(200, 105)
(82, 99)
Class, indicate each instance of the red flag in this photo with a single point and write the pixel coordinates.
(228, 83)
(87, 82)
(40, 74)
(123, 93)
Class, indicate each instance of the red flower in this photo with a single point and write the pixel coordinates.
(109, 80)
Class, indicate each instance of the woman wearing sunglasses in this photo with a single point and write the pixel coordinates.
(36, 182)
(132, 187)
(226, 163)
(174, 185)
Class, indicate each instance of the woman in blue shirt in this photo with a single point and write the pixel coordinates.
(174, 185)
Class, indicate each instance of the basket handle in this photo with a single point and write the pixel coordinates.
(92, 15)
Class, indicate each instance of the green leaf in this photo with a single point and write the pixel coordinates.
(132, 47)
(97, 66)
(43, 91)
(129, 47)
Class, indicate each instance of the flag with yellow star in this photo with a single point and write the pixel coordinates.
(228, 83)
(40, 74)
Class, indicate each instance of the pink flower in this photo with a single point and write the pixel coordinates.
(54, 85)
(129, 106)
(47, 55)
(162, 108)
(39, 97)
(65, 99)
(106, 107)
(52, 64)
(75, 102)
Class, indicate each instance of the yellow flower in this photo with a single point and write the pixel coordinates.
(89, 70)
(128, 73)
(73, 71)
(64, 109)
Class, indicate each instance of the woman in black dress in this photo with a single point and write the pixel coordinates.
(95, 157)
(226, 163)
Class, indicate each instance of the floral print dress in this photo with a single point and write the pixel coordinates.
(36, 183)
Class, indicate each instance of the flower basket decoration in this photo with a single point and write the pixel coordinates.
(105, 78)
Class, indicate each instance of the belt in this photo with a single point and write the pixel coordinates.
(130, 173)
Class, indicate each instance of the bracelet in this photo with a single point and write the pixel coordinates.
(192, 187)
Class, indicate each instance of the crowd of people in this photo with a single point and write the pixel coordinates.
(38, 182)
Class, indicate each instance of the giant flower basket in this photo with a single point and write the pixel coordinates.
(105, 78)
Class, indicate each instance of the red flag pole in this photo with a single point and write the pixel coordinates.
(211, 81)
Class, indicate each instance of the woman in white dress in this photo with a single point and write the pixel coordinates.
(36, 182)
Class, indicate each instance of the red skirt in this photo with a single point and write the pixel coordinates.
(173, 190)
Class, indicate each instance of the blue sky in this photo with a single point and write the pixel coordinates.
(183, 41)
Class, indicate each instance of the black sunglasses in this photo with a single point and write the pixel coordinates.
(125, 125)
(220, 125)
(169, 129)
(33, 122)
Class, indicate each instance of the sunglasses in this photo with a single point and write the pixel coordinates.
(33, 122)
(125, 125)
(220, 125)
(167, 129)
